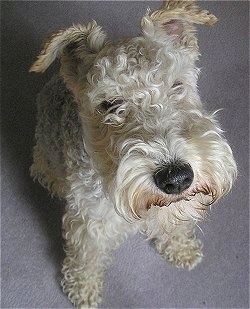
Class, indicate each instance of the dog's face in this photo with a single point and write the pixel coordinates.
(144, 126)
(148, 134)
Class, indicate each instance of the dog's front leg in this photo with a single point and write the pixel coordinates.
(83, 265)
(89, 242)
(180, 247)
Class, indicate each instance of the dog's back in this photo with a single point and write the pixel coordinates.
(57, 125)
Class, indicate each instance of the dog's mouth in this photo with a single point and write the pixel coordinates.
(161, 202)
(202, 194)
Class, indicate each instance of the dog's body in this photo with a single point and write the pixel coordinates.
(124, 138)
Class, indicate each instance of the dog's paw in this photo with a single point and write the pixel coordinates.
(183, 252)
(82, 287)
(83, 293)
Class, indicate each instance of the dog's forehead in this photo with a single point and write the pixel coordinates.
(135, 67)
(135, 63)
(138, 56)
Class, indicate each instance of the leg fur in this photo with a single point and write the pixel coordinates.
(83, 267)
(89, 243)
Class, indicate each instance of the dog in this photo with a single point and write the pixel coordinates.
(123, 137)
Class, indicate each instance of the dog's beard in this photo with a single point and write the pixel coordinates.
(135, 193)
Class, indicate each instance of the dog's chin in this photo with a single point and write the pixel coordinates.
(142, 201)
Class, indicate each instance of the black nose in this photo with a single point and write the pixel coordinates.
(174, 178)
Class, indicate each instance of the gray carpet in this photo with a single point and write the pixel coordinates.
(31, 222)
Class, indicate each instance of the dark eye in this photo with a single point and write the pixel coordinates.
(177, 84)
(110, 106)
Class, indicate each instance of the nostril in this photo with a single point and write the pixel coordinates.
(169, 187)
(174, 178)
(186, 181)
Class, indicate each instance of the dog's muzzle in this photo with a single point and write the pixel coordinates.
(174, 178)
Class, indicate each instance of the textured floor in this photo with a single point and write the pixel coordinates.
(31, 238)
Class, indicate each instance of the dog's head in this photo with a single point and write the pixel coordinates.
(145, 129)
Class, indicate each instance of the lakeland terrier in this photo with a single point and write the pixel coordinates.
(123, 137)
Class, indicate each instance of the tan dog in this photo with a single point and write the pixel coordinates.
(123, 136)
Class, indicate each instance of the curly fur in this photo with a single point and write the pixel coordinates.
(117, 112)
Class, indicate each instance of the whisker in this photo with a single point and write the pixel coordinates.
(199, 228)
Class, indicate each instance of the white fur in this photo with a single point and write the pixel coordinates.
(102, 159)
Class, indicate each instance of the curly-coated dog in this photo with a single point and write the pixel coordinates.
(123, 137)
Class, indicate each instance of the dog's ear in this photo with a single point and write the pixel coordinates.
(175, 22)
(79, 43)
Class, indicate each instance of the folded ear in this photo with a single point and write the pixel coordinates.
(175, 21)
(79, 43)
